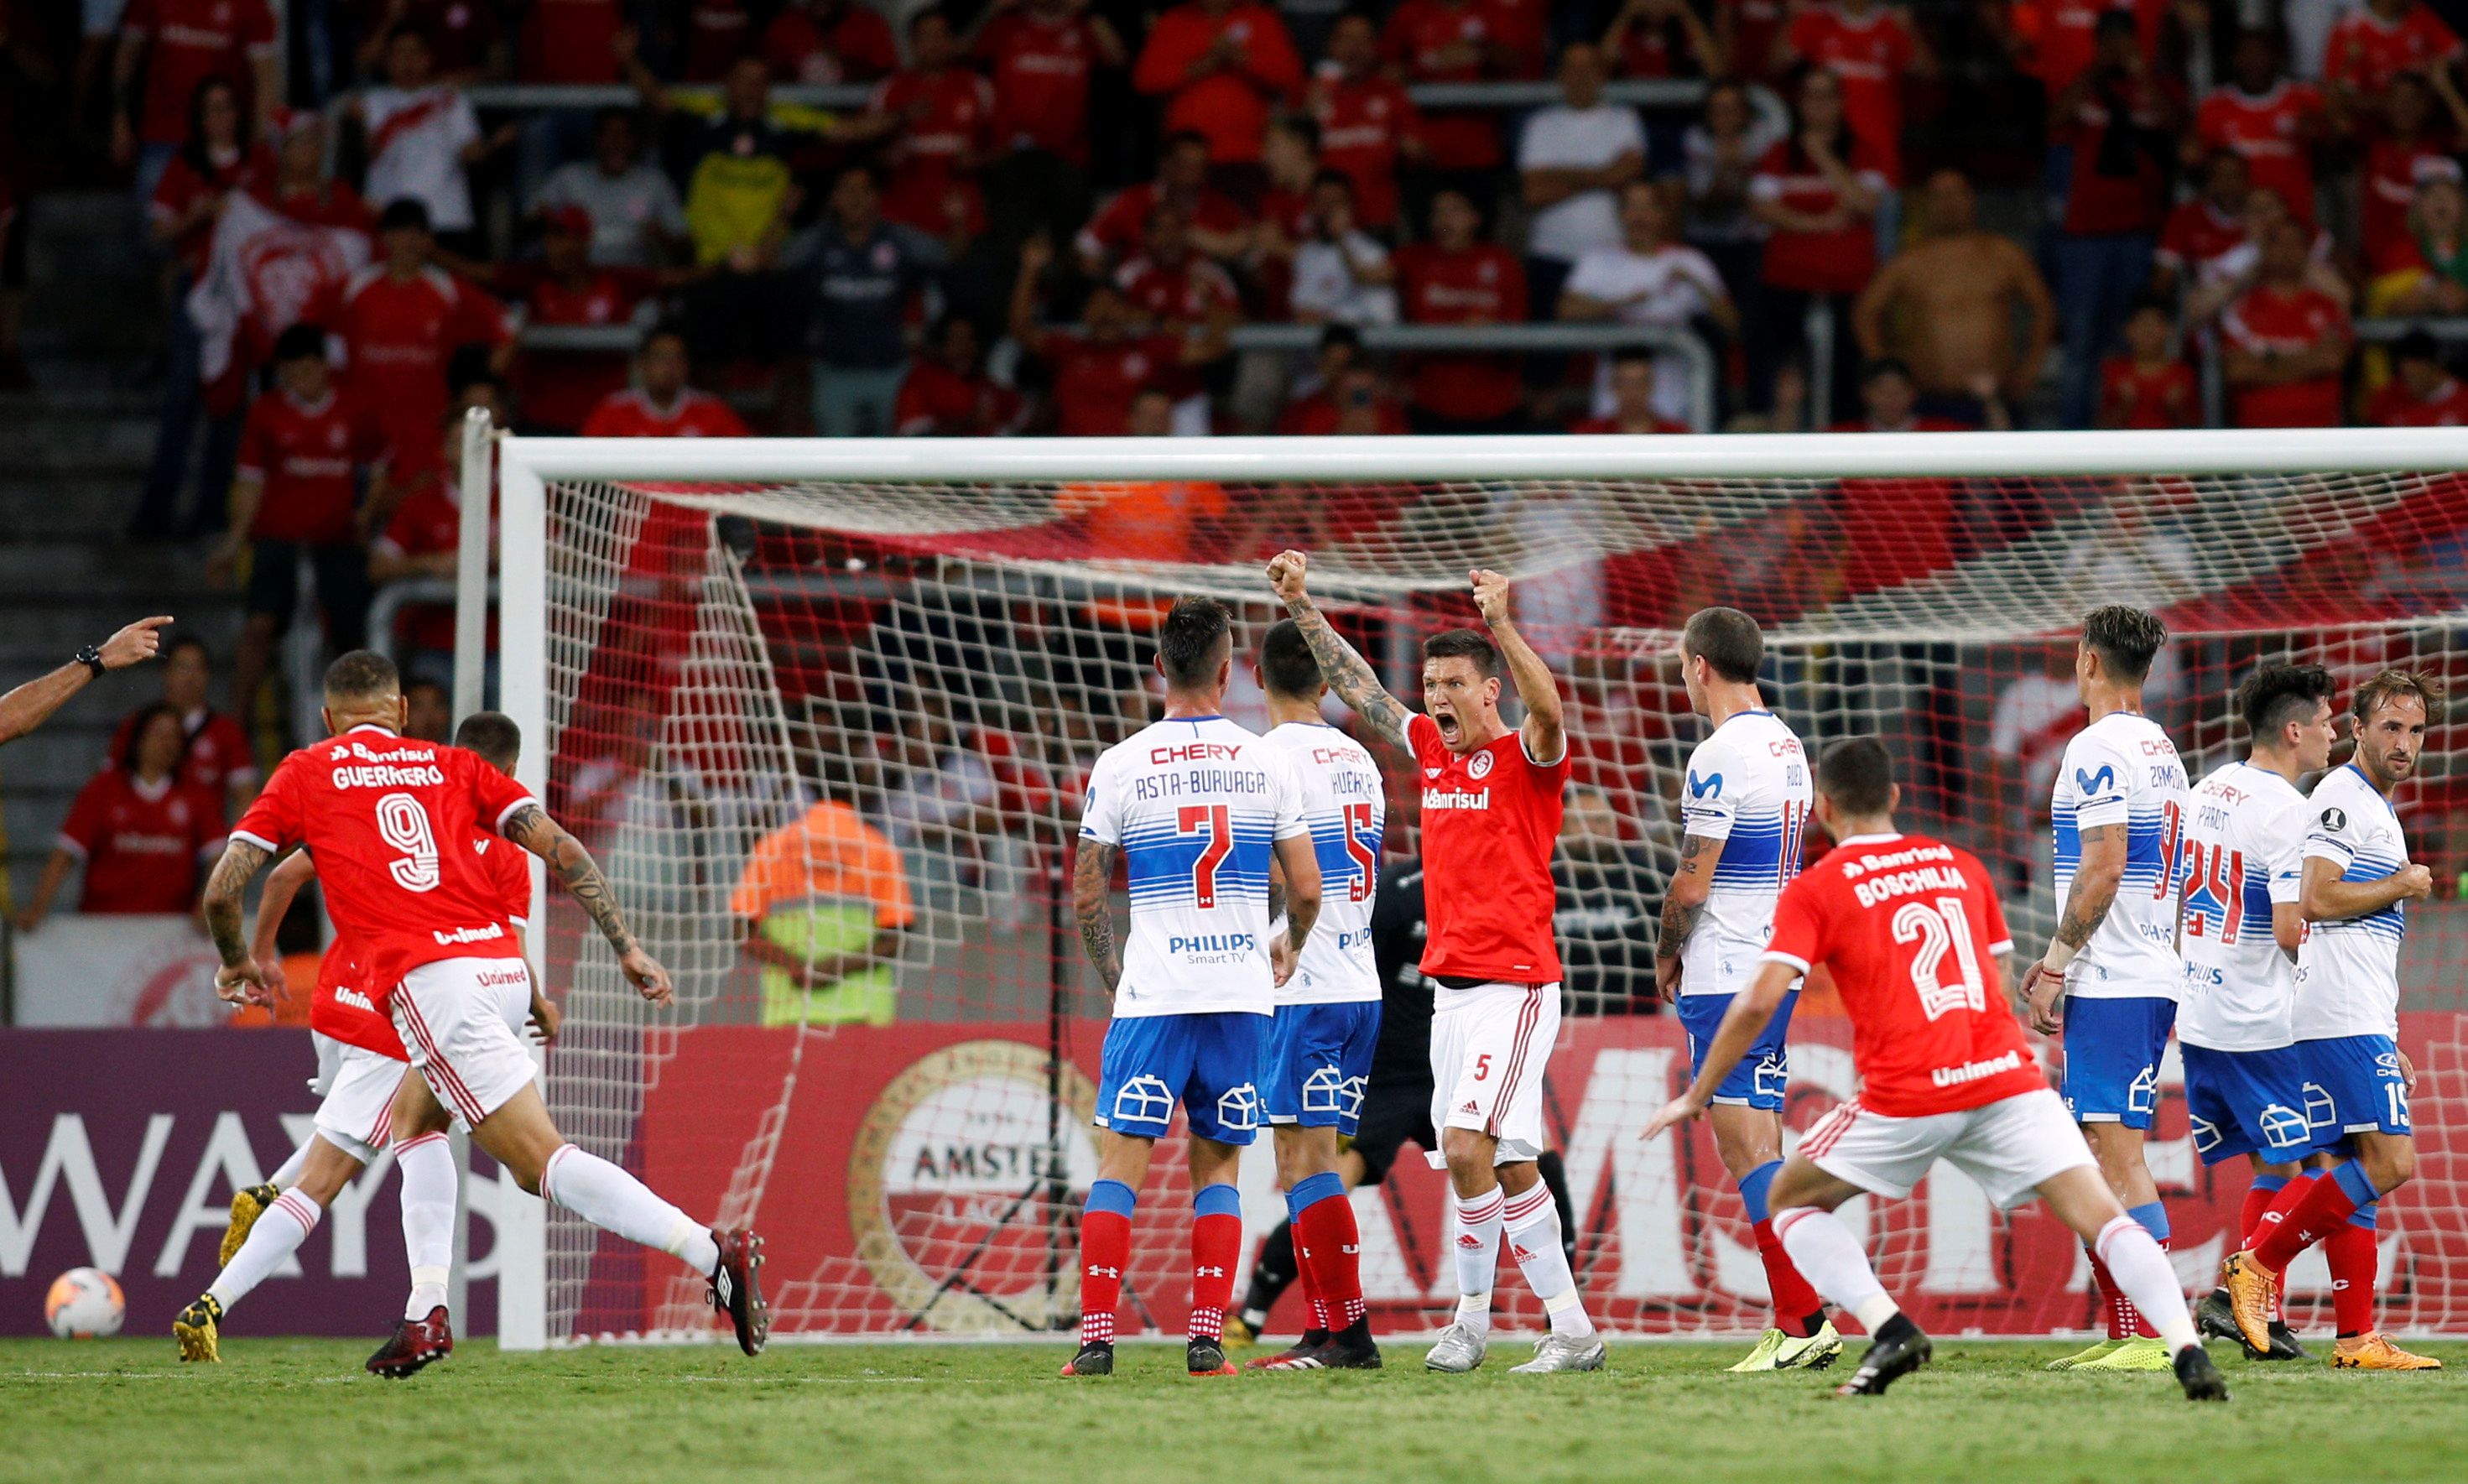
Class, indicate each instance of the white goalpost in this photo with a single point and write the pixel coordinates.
(842, 694)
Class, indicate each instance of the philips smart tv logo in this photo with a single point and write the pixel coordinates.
(1214, 944)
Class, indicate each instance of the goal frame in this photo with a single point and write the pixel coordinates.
(525, 466)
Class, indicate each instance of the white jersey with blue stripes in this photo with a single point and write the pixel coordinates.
(1197, 805)
(2244, 840)
(2122, 770)
(2348, 977)
(1346, 807)
(1748, 786)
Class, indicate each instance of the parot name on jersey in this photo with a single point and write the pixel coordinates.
(1199, 779)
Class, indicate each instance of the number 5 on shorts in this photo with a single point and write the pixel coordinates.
(1482, 1066)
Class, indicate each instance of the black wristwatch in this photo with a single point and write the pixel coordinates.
(92, 659)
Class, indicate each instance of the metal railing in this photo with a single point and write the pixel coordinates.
(1656, 93)
(1563, 339)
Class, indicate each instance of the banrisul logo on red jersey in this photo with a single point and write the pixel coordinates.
(919, 1179)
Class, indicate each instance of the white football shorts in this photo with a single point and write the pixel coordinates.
(2009, 1146)
(1488, 1045)
(460, 1018)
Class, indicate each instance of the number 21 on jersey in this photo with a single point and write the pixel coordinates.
(1939, 929)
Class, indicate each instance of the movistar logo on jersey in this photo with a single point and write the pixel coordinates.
(1710, 786)
(1213, 943)
(2088, 782)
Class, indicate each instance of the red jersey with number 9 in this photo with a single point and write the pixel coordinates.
(1490, 819)
(342, 1007)
(373, 809)
(1910, 927)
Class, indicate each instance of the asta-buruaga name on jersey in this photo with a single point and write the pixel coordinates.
(1197, 805)
(2122, 770)
(1346, 807)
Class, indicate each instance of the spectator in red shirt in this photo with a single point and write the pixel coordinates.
(1874, 51)
(660, 404)
(1662, 38)
(419, 492)
(939, 116)
(143, 835)
(829, 42)
(1370, 127)
(1889, 400)
(2285, 342)
(1218, 227)
(469, 36)
(294, 496)
(218, 763)
(217, 157)
(2118, 118)
(1185, 295)
(175, 45)
(1632, 387)
(558, 389)
(1220, 64)
(401, 318)
(574, 41)
(1455, 277)
(2270, 119)
(1096, 372)
(947, 393)
(1818, 192)
(1339, 350)
(2375, 44)
(1356, 404)
(2422, 392)
(1451, 41)
(2200, 230)
(1040, 55)
(2148, 386)
(2414, 146)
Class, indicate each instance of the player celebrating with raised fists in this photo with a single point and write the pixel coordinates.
(387, 818)
(2239, 927)
(2358, 882)
(1912, 932)
(1745, 810)
(2118, 803)
(1327, 1023)
(1490, 819)
(1195, 807)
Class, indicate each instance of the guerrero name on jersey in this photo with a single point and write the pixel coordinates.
(2122, 770)
(1196, 805)
(1346, 808)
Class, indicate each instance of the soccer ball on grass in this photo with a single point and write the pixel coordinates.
(84, 1302)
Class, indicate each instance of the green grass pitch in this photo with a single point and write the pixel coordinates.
(99, 1411)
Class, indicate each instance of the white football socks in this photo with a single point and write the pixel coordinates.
(1532, 1222)
(2135, 1261)
(613, 1201)
(428, 1192)
(1476, 1245)
(277, 1235)
(1823, 1249)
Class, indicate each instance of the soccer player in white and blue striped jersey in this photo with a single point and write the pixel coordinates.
(2119, 807)
(2357, 887)
(1327, 1024)
(1195, 807)
(1744, 813)
(2239, 927)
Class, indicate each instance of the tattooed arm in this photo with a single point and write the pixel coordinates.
(531, 828)
(1682, 906)
(1348, 673)
(1092, 901)
(239, 979)
(2086, 903)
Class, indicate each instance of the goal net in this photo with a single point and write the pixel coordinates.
(825, 712)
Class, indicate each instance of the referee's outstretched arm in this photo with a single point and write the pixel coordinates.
(32, 705)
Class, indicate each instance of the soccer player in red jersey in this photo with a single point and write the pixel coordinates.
(1490, 819)
(368, 1102)
(1916, 942)
(374, 807)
